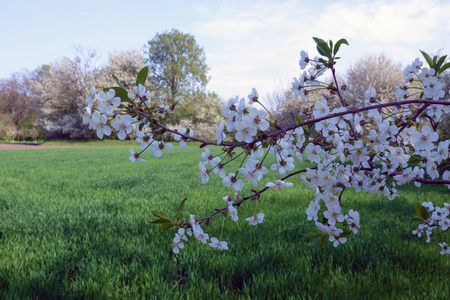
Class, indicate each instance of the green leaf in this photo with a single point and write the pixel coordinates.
(318, 40)
(164, 227)
(415, 159)
(161, 221)
(424, 213)
(427, 58)
(142, 76)
(417, 219)
(312, 235)
(435, 59)
(338, 45)
(444, 67)
(418, 208)
(120, 92)
(180, 208)
(141, 126)
(322, 50)
(313, 129)
(118, 82)
(160, 214)
(346, 232)
(322, 240)
(322, 47)
(299, 120)
(439, 63)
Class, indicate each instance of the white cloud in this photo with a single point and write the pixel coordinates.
(257, 44)
(385, 21)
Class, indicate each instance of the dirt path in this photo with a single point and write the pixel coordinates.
(34, 147)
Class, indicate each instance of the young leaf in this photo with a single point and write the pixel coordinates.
(120, 92)
(444, 67)
(418, 209)
(160, 214)
(424, 213)
(346, 232)
(415, 159)
(318, 40)
(180, 208)
(299, 120)
(118, 82)
(322, 240)
(313, 129)
(427, 58)
(164, 227)
(417, 219)
(312, 235)
(322, 47)
(435, 60)
(439, 63)
(338, 45)
(161, 221)
(306, 129)
(142, 76)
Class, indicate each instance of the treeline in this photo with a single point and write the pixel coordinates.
(49, 102)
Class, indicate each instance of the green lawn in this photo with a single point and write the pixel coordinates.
(75, 223)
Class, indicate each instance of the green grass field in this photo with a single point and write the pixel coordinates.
(75, 223)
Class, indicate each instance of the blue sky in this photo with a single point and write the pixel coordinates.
(247, 43)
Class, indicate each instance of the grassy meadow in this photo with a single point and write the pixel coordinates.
(75, 223)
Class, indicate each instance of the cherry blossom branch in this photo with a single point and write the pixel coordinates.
(312, 121)
(255, 195)
(413, 118)
(333, 71)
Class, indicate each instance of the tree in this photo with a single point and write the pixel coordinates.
(60, 91)
(201, 112)
(376, 71)
(178, 66)
(125, 65)
(285, 107)
(17, 108)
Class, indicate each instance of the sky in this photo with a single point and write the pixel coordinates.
(247, 43)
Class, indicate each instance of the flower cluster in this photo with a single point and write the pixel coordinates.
(374, 149)
(431, 218)
(196, 231)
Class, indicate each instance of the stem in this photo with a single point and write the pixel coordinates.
(277, 133)
(256, 193)
(333, 71)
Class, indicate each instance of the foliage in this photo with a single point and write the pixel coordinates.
(124, 65)
(178, 67)
(201, 112)
(60, 91)
(17, 107)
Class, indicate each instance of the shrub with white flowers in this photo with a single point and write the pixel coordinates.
(372, 149)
